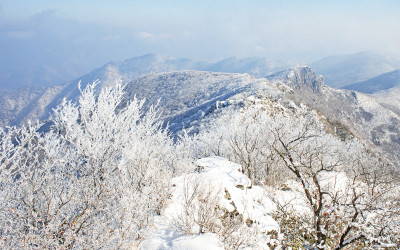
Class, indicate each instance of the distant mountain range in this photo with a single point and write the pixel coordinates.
(50, 75)
(376, 84)
(339, 71)
(17, 106)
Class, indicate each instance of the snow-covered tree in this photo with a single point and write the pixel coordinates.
(94, 180)
(346, 189)
(343, 184)
(243, 136)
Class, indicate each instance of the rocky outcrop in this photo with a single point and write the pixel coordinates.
(300, 77)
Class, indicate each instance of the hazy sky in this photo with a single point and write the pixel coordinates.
(70, 38)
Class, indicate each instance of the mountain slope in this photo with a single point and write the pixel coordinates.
(389, 98)
(351, 113)
(18, 106)
(342, 70)
(186, 96)
(378, 83)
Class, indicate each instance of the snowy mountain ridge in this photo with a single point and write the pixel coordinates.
(16, 112)
(125, 70)
(186, 96)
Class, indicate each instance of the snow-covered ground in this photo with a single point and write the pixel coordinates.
(226, 188)
(232, 192)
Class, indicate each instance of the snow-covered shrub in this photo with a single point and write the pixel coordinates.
(332, 183)
(294, 227)
(339, 192)
(235, 234)
(243, 137)
(94, 180)
(200, 211)
(348, 193)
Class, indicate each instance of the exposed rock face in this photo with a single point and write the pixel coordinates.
(300, 77)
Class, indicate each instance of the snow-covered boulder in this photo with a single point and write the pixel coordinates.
(219, 188)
